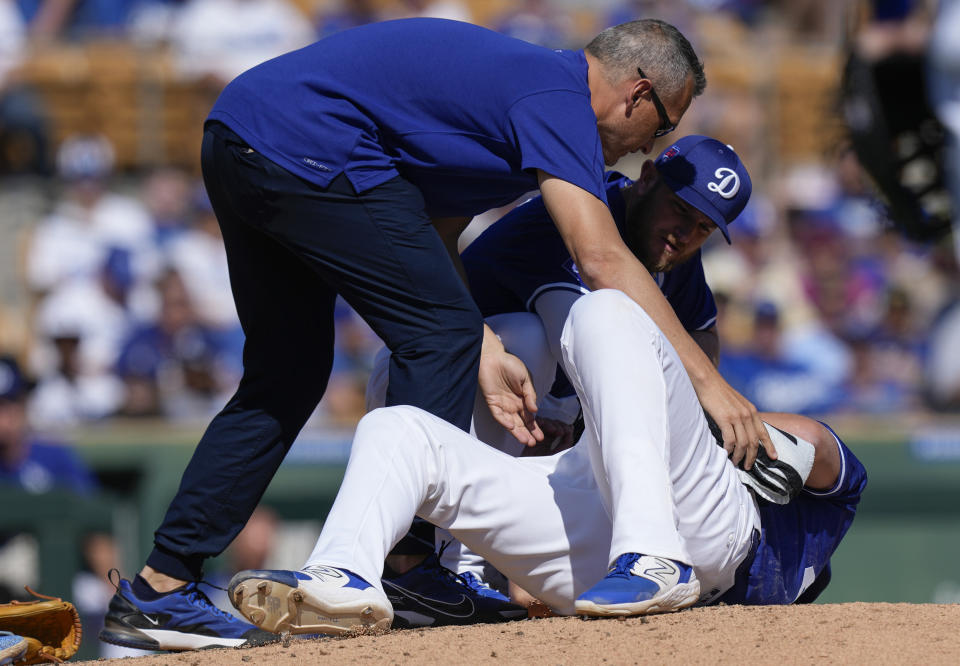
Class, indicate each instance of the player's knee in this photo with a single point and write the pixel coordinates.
(826, 461)
(593, 306)
(387, 426)
(604, 308)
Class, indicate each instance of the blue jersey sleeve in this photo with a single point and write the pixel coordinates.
(556, 132)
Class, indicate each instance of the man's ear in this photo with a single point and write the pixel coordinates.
(637, 90)
(648, 177)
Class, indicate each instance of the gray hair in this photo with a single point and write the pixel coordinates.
(656, 47)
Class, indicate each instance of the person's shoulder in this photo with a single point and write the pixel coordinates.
(569, 68)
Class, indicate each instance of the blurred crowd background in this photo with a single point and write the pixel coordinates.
(114, 295)
(115, 302)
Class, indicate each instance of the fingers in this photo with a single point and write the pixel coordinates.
(765, 440)
(729, 437)
(533, 428)
(508, 390)
(743, 434)
(512, 417)
(752, 439)
(741, 444)
(739, 422)
(529, 411)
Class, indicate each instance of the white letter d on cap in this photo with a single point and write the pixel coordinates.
(728, 184)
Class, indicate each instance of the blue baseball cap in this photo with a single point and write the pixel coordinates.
(709, 176)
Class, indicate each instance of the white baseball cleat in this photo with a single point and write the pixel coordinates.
(314, 600)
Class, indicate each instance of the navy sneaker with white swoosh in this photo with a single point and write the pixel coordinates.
(432, 595)
(315, 600)
(184, 619)
(640, 585)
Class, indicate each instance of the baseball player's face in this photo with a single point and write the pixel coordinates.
(663, 230)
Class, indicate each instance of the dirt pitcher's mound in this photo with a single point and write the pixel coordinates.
(857, 633)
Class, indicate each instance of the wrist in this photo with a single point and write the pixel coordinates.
(491, 343)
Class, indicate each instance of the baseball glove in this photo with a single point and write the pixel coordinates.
(50, 625)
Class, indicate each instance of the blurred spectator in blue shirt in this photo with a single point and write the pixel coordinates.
(166, 193)
(198, 255)
(35, 464)
(887, 361)
(764, 375)
(215, 40)
(174, 367)
(89, 219)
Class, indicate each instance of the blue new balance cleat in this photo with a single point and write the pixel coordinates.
(12, 647)
(430, 595)
(640, 585)
(314, 600)
(184, 619)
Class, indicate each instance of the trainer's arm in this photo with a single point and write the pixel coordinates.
(605, 262)
(503, 378)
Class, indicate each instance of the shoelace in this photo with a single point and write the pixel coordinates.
(621, 568)
(474, 582)
(195, 595)
(434, 563)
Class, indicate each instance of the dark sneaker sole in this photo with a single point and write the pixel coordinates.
(167, 640)
(410, 619)
(277, 606)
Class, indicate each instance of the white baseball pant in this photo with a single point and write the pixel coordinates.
(646, 477)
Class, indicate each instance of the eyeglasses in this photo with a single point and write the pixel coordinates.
(666, 125)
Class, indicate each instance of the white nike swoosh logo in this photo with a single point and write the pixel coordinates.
(155, 623)
(462, 608)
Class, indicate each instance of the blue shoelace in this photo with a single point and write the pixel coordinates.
(474, 582)
(621, 568)
(433, 563)
(196, 596)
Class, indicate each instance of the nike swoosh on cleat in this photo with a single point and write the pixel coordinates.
(463, 608)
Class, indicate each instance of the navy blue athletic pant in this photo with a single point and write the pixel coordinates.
(292, 247)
